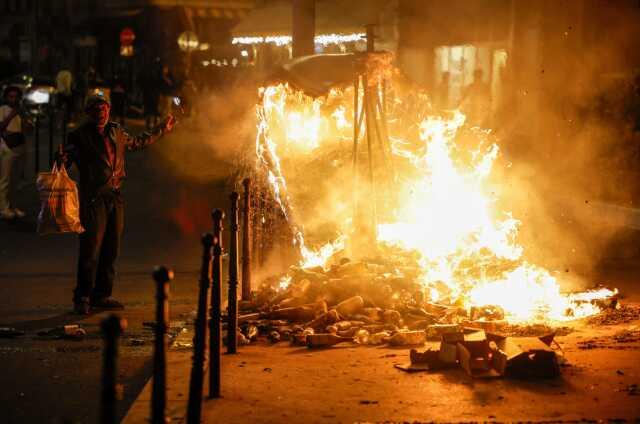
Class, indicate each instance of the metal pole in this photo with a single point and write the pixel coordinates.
(370, 37)
(37, 144)
(112, 328)
(162, 275)
(216, 300)
(194, 409)
(232, 326)
(369, 127)
(65, 121)
(246, 241)
(51, 131)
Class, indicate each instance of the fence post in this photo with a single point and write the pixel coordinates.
(162, 275)
(112, 328)
(216, 300)
(246, 241)
(232, 327)
(194, 409)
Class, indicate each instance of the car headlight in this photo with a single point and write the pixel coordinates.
(39, 96)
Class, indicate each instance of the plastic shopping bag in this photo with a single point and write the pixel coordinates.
(59, 210)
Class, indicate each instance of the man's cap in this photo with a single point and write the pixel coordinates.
(95, 100)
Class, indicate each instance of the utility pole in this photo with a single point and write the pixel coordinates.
(35, 4)
(303, 27)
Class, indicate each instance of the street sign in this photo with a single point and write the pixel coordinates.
(188, 41)
(127, 36)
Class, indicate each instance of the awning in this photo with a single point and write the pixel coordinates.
(332, 17)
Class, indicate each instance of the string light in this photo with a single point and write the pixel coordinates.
(281, 40)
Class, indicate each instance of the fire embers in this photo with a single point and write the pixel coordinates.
(487, 355)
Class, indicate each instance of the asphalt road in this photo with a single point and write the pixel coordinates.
(171, 190)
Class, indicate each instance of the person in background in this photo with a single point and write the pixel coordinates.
(98, 149)
(12, 149)
(147, 82)
(442, 92)
(476, 100)
(64, 95)
(167, 88)
(118, 99)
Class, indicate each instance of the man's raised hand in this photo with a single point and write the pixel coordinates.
(169, 122)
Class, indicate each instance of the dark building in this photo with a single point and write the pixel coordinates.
(40, 36)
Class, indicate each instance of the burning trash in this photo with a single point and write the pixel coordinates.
(402, 202)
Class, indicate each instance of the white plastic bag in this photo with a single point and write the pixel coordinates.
(59, 210)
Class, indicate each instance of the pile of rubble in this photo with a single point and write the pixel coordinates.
(372, 302)
(487, 355)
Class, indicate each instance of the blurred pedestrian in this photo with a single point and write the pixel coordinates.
(98, 149)
(118, 99)
(12, 150)
(64, 96)
(476, 100)
(150, 96)
(167, 87)
(442, 92)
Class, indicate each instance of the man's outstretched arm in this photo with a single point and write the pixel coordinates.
(148, 137)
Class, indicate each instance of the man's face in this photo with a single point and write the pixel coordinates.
(100, 114)
(12, 98)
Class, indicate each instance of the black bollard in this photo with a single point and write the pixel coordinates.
(65, 121)
(112, 328)
(36, 124)
(232, 326)
(51, 134)
(194, 409)
(162, 275)
(216, 300)
(246, 241)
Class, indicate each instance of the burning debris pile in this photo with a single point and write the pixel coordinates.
(410, 233)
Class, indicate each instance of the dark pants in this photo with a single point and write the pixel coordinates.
(103, 221)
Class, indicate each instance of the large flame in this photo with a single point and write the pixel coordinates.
(443, 210)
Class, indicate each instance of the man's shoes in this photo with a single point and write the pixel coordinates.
(7, 214)
(18, 213)
(107, 304)
(82, 307)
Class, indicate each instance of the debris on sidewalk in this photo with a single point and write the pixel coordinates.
(10, 332)
(373, 301)
(70, 332)
(488, 355)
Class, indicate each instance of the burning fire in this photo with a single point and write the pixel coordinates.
(443, 208)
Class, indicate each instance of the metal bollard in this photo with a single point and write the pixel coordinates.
(216, 299)
(246, 241)
(36, 142)
(112, 328)
(51, 134)
(162, 275)
(232, 326)
(194, 409)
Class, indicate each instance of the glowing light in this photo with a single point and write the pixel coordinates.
(244, 53)
(38, 96)
(282, 40)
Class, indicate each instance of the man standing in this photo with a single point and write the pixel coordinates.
(98, 150)
(11, 150)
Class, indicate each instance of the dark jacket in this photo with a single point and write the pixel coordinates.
(86, 149)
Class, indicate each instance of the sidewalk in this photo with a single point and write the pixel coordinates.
(277, 383)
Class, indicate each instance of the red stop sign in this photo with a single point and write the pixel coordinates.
(127, 36)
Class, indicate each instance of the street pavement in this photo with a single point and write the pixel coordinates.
(169, 194)
(346, 383)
